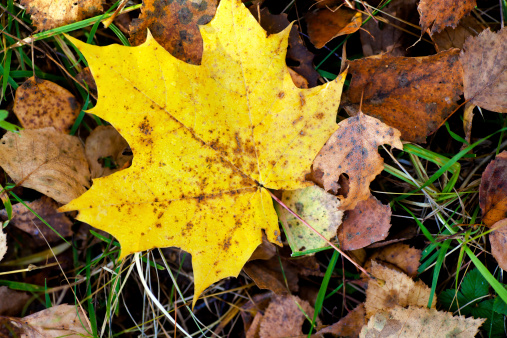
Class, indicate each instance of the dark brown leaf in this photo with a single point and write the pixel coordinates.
(493, 190)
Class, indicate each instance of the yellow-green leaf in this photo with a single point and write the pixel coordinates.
(207, 142)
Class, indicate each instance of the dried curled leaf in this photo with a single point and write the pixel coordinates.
(485, 70)
(48, 14)
(400, 255)
(324, 25)
(493, 190)
(47, 161)
(417, 322)
(367, 223)
(207, 142)
(438, 14)
(174, 24)
(40, 104)
(318, 208)
(353, 150)
(399, 289)
(348, 326)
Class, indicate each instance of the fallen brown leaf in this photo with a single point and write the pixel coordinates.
(493, 190)
(498, 240)
(16, 301)
(296, 52)
(401, 255)
(105, 142)
(399, 289)
(284, 318)
(367, 223)
(40, 104)
(455, 37)
(485, 70)
(174, 24)
(47, 161)
(438, 14)
(420, 322)
(45, 207)
(324, 25)
(348, 326)
(48, 14)
(353, 150)
(413, 95)
(379, 38)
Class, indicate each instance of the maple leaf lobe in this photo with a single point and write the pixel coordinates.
(202, 137)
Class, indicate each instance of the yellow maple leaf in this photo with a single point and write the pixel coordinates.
(207, 142)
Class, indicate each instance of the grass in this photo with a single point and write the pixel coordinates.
(433, 188)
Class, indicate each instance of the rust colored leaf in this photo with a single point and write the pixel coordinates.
(367, 223)
(416, 322)
(401, 255)
(493, 190)
(485, 70)
(297, 51)
(324, 25)
(45, 207)
(456, 37)
(284, 317)
(498, 239)
(104, 142)
(48, 14)
(353, 150)
(413, 95)
(40, 104)
(175, 26)
(348, 326)
(378, 38)
(399, 289)
(46, 160)
(438, 14)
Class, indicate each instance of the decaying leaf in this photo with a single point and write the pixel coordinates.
(399, 289)
(274, 275)
(47, 161)
(485, 70)
(207, 142)
(45, 207)
(40, 104)
(57, 321)
(493, 190)
(416, 322)
(413, 95)
(324, 25)
(367, 223)
(174, 25)
(401, 255)
(456, 37)
(17, 300)
(297, 52)
(105, 143)
(378, 37)
(318, 208)
(353, 150)
(48, 14)
(284, 318)
(498, 240)
(3, 244)
(438, 14)
(348, 326)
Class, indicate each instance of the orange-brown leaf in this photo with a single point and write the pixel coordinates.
(493, 190)
(413, 95)
(353, 150)
(498, 239)
(324, 25)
